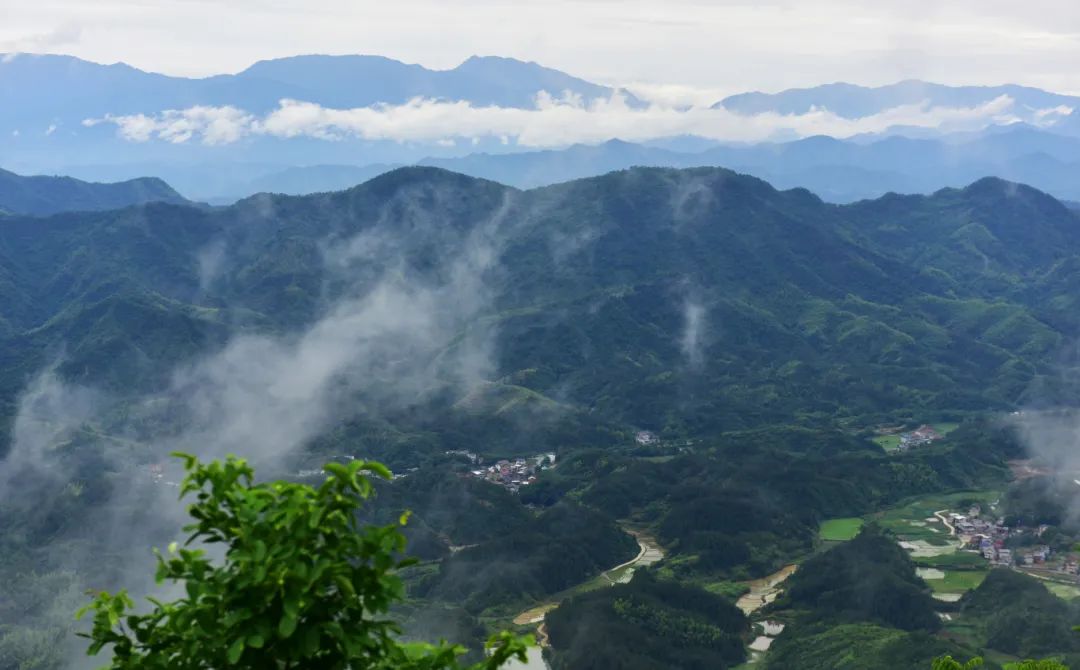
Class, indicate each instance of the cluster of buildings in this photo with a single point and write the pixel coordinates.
(982, 535)
(645, 438)
(989, 539)
(513, 474)
(924, 434)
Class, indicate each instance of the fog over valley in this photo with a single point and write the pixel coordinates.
(317, 358)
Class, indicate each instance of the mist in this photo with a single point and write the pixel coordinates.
(379, 343)
(693, 336)
(556, 121)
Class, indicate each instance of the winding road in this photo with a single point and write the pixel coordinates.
(649, 552)
(945, 520)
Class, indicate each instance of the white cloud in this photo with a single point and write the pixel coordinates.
(63, 35)
(50, 130)
(554, 122)
(732, 44)
(1048, 117)
(211, 125)
(676, 95)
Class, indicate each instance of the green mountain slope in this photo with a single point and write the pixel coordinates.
(41, 196)
(688, 302)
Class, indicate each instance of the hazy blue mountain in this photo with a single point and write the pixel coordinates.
(49, 195)
(54, 89)
(853, 101)
(315, 179)
(836, 170)
(527, 169)
(843, 171)
(542, 168)
(1069, 125)
(359, 81)
(45, 132)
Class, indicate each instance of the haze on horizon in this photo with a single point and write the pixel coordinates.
(684, 49)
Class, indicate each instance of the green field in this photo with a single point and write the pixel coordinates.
(839, 530)
(892, 442)
(888, 442)
(730, 590)
(945, 428)
(1065, 591)
(958, 581)
(960, 560)
(914, 519)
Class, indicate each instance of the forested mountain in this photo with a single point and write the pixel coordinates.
(433, 320)
(647, 624)
(48, 195)
(688, 302)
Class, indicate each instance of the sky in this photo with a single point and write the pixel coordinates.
(685, 49)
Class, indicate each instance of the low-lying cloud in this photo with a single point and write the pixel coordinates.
(390, 334)
(554, 122)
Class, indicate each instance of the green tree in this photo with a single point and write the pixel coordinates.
(302, 584)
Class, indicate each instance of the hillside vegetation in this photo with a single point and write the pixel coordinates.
(688, 302)
(440, 323)
(41, 195)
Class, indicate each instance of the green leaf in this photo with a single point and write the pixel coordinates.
(287, 626)
(272, 564)
(236, 650)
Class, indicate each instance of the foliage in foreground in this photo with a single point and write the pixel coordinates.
(303, 583)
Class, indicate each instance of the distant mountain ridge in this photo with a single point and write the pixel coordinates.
(55, 89)
(45, 132)
(836, 170)
(40, 195)
(854, 101)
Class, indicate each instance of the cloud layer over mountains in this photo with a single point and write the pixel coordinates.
(554, 122)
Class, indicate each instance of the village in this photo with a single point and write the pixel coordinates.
(897, 439)
(510, 474)
(989, 536)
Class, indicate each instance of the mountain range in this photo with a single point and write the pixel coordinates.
(852, 101)
(1031, 139)
(837, 170)
(56, 94)
(430, 319)
(64, 89)
(50, 195)
(690, 301)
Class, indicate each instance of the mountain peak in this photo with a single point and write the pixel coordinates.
(42, 195)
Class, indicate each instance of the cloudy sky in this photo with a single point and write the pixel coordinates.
(719, 46)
